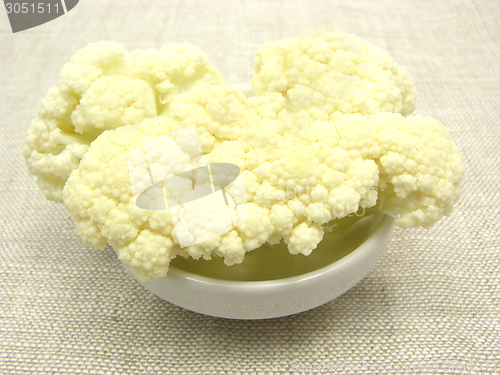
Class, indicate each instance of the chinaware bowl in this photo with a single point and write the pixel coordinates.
(263, 292)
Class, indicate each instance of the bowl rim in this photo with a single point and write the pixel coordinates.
(354, 257)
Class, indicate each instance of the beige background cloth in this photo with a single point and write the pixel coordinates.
(433, 297)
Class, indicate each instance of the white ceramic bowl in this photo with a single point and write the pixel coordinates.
(273, 298)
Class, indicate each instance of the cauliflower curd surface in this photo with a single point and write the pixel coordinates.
(325, 135)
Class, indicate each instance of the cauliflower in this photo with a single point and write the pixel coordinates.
(104, 87)
(332, 74)
(213, 172)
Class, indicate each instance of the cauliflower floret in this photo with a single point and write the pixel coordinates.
(104, 87)
(149, 255)
(173, 69)
(420, 169)
(218, 114)
(111, 102)
(333, 74)
(304, 239)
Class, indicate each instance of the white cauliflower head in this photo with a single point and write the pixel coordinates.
(181, 164)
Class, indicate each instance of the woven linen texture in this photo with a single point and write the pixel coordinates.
(432, 298)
